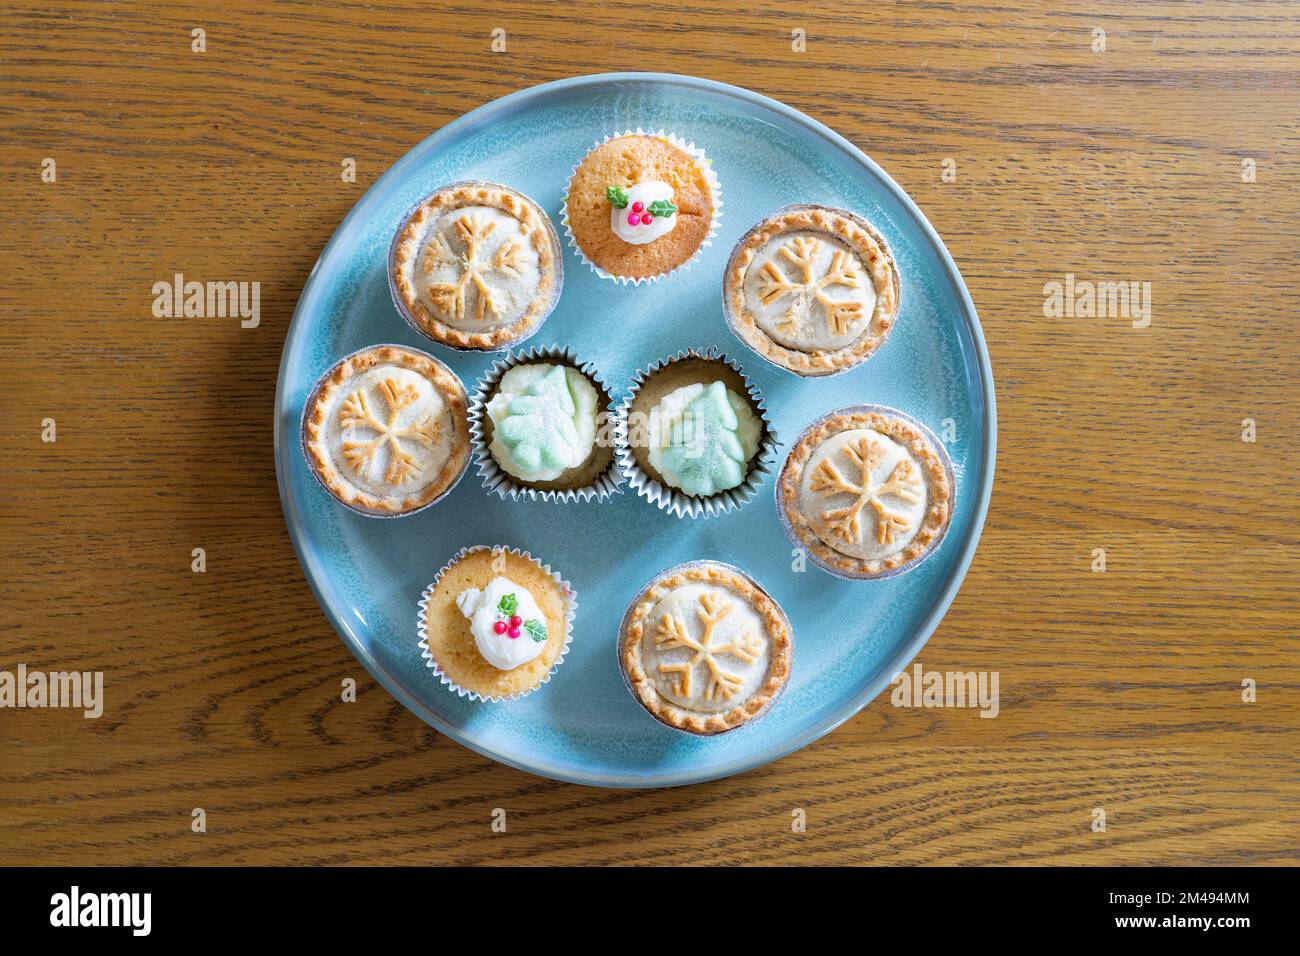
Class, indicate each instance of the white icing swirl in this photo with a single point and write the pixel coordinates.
(482, 609)
(644, 193)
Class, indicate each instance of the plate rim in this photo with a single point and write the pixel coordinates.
(521, 99)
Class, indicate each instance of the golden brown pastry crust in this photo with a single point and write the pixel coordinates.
(448, 386)
(408, 248)
(643, 685)
(624, 161)
(938, 509)
(875, 255)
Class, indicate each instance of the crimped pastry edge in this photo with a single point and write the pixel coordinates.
(406, 247)
(863, 239)
(940, 490)
(642, 686)
(449, 386)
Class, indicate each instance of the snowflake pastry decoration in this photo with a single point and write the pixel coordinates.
(745, 646)
(803, 252)
(904, 482)
(449, 297)
(355, 412)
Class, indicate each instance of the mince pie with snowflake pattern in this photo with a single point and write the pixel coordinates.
(812, 289)
(477, 266)
(705, 649)
(387, 430)
(866, 492)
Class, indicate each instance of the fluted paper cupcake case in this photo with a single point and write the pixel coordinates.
(715, 190)
(495, 478)
(672, 500)
(729, 314)
(424, 636)
(640, 596)
(940, 450)
(404, 311)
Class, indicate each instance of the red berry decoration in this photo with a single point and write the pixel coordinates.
(633, 219)
(499, 627)
(646, 219)
(516, 620)
(513, 632)
(638, 206)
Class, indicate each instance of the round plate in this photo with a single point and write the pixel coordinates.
(850, 637)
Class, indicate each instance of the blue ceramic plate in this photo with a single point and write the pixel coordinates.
(850, 637)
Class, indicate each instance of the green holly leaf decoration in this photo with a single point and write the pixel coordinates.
(662, 209)
(508, 604)
(617, 196)
(536, 630)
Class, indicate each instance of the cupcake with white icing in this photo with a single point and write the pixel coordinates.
(495, 623)
(540, 426)
(640, 205)
(693, 435)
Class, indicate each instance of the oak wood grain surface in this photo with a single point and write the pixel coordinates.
(1120, 690)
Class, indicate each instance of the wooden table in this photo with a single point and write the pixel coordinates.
(1120, 690)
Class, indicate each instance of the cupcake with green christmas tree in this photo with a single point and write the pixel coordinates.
(540, 424)
(693, 435)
